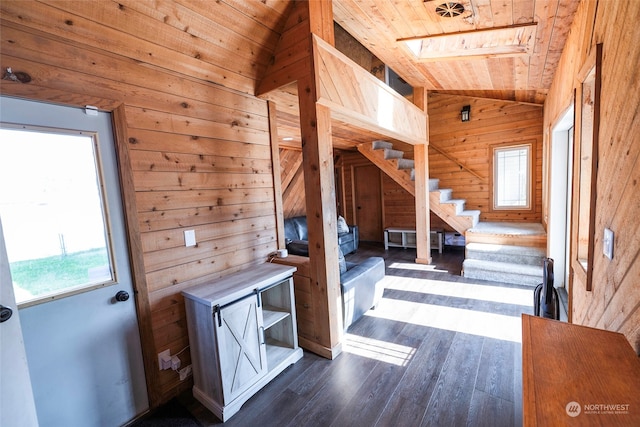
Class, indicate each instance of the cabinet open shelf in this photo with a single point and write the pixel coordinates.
(277, 352)
(273, 315)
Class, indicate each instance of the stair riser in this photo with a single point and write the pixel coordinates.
(511, 258)
(455, 208)
(445, 194)
(503, 277)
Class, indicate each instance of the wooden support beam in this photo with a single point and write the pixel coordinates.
(275, 172)
(317, 151)
(321, 20)
(421, 159)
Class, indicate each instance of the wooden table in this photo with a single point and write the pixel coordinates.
(575, 375)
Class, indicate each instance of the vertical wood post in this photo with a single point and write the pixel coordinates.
(276, 172)
(317, 151)
(421, 158)
(319, 184)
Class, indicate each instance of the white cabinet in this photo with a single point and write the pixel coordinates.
(242, 333)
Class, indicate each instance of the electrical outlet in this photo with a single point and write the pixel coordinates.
(184, 372)
(164, 360)
(175, 363)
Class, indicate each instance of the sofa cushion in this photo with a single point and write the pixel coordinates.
(300, 222)
(298, 247)
(342, 263)
(342, 225)
(345, 238)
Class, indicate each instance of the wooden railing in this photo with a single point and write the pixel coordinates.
(457, 162)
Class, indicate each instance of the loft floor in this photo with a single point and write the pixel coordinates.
(439, 350)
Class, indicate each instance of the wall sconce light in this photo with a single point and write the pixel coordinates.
(465, 113)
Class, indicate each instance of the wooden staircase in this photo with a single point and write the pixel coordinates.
(401, 170)
(499, 252)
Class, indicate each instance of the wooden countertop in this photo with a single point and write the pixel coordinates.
(576, 375)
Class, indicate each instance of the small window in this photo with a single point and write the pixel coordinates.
(512, 177)
(52, 209)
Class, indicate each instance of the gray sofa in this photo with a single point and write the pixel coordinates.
(362, 288)
(297, 237)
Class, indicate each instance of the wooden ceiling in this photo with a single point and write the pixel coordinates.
(520, 74)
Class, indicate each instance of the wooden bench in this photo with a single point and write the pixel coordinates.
(406, 238)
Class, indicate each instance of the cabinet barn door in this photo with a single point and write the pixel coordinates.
(243, 358)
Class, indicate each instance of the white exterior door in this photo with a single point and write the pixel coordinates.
(16, 397)
(82, 342)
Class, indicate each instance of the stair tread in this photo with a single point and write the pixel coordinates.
(470, 212)
(405, 163)
(390, 153)
(379, 144)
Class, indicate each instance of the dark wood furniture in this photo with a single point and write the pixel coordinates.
(576, 375)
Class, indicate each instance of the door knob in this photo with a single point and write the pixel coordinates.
(122, 296)
(5, 313)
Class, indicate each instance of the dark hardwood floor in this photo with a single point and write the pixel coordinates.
(439, 350)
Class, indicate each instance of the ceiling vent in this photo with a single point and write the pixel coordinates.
(450, 9)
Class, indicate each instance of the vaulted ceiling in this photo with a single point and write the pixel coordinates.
(505, 49)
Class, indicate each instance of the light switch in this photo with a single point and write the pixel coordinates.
(190, 238)
(607, 243)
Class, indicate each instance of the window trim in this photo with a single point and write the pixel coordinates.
(111, 254)
(531, 144)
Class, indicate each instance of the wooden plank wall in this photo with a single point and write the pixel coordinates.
(292, 175)
(198, 140)
(492, 122)
(399, 209)
(614, 302)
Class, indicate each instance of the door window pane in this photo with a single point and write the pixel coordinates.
(51, 204)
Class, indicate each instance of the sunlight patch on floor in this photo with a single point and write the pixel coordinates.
(415, 267)
(498, 294)
(383, 351)
(498, 326)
